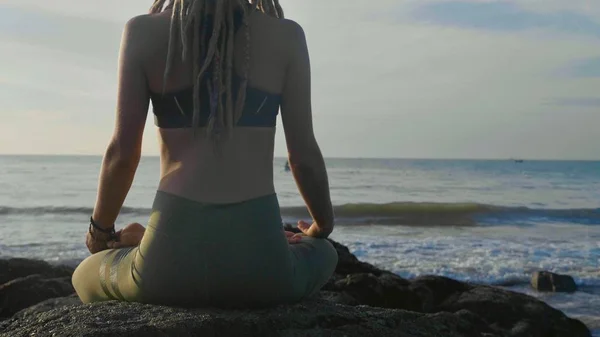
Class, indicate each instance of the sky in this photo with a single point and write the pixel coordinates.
(391, 78)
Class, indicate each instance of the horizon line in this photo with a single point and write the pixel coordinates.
(330, 157)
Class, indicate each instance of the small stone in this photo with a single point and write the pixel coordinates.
(551, 282)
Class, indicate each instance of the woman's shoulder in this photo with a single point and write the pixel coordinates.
(147, 23)
(147, 31)
(283, 25)
(285, 34)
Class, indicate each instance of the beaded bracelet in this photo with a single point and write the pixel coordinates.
(111, 231)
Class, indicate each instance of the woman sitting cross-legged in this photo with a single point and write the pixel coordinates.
(217, 73)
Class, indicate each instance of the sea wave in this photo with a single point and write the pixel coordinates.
(454, 214)
(64, 210)
(398, 213)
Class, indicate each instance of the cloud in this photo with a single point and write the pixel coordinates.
(116, 11)
(505, 16)
(585, 68)
(93, 38)
(580, 102)
(589, 8)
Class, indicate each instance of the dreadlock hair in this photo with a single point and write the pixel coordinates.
(187, 30)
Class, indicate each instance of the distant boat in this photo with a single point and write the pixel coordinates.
(287, 166)
(518, 161)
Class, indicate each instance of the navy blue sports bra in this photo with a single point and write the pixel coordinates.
(175, 110)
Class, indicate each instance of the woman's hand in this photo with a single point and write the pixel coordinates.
(314, 229)
(292, 237)
(130, 236)
(96, 242)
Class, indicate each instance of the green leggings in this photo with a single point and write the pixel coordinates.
(198, 254)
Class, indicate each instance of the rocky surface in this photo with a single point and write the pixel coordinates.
(15, 268)
(359, 300)
(311, 318)
(25, 291)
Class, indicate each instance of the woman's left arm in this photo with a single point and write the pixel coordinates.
(124, 150)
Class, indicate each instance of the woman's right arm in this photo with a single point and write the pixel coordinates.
(306, 160)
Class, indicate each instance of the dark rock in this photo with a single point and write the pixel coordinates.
(383, 291)
(48, 305)
(508, 311)
(524, 329)
(337, 297)
(474, 320)
(26, 291)
(547, 281)
(502, 311)
(312, 318)
(441, 288)
(11, 269)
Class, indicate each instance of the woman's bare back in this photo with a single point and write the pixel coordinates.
(242, 167)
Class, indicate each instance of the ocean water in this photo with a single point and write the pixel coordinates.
(491, 222)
